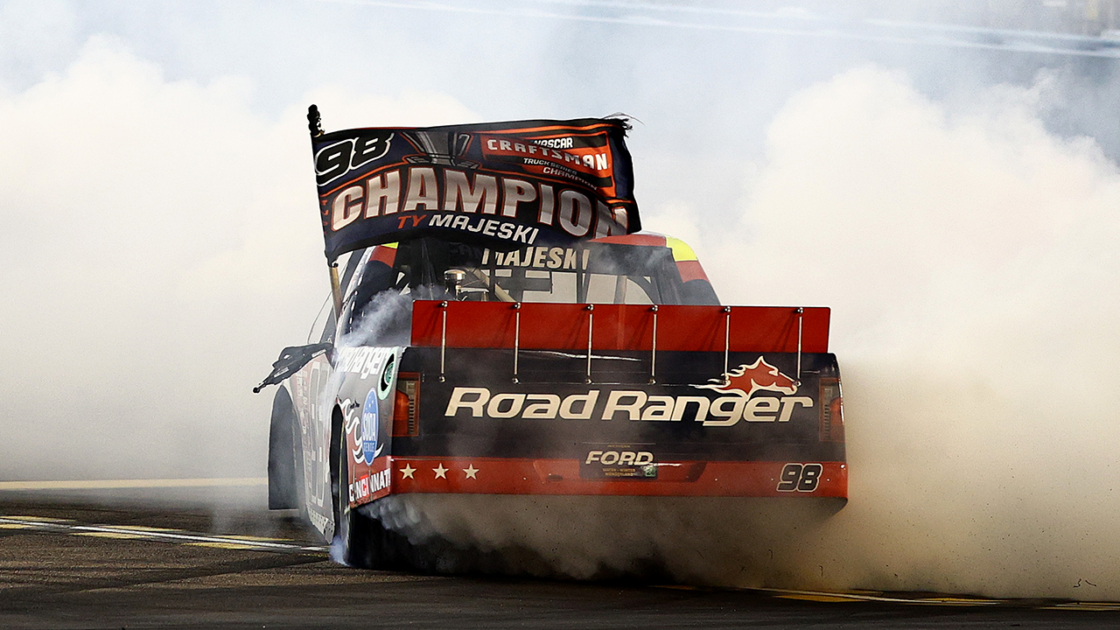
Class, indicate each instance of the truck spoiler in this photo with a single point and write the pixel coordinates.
(614, 327)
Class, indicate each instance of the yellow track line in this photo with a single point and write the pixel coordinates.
(823, 596)
(175, 536)
(115, 484)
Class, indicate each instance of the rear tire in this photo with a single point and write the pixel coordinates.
(356, 536)
(362, 541)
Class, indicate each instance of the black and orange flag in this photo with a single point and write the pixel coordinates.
(508, 184)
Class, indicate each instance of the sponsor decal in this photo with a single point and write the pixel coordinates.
(618, 462)
(740, 402)
(369, 484)
(370, 428)
(566, 142)
(634, 405)
(747, 379)
(592, 161)
(363, 360)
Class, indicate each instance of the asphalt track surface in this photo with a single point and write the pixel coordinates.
(119, 560)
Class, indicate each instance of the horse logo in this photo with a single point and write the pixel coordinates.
(745, 380)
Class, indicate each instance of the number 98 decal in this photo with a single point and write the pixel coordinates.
(800, 477)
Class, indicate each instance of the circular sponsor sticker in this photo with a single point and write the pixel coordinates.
(386, 382)
(370, 428)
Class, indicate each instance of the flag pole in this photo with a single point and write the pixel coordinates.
(336, 290)
(314, 125)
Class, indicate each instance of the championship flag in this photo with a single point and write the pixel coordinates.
(506, 185)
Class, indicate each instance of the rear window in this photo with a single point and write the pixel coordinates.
(596, 273)
(585, 273)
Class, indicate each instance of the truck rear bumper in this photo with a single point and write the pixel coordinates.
(398, 475)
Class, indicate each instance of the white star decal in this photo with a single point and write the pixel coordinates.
(441, 472)
(406, 472)
(471, 471)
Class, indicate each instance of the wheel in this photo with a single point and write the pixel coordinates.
(356, 537)
(285, 456)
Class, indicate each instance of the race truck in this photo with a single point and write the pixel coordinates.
(500, 326)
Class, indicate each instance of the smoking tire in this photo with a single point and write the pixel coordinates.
(363, 542)
(356, 536)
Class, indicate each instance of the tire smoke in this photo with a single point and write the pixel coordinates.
(969, 258)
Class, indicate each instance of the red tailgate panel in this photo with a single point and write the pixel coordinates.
(619, 327)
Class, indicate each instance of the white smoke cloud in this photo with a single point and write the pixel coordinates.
(159, 247)
(968, 256)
